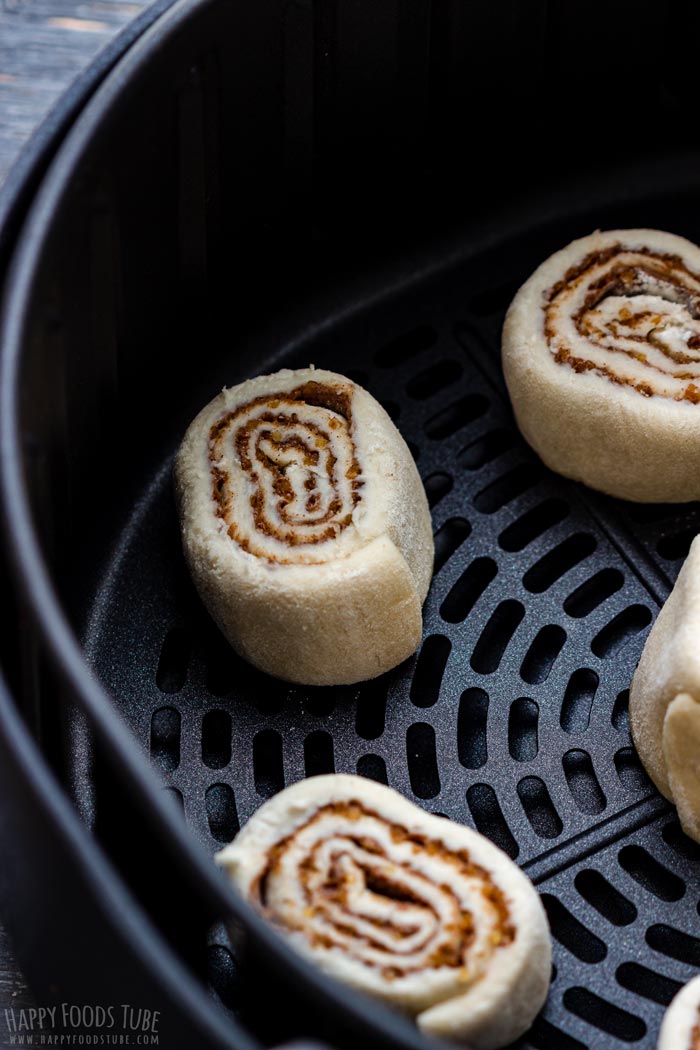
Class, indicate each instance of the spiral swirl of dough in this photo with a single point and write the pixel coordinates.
(410, 908)
(601, 357)
(396, 902)
(286, 479)
(631, 315)
(306, 526)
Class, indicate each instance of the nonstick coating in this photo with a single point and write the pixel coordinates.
(165, 258)
(513, 715)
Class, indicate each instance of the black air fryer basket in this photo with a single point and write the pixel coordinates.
(361, 184)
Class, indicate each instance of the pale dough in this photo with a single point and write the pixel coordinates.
(601, 355)
(680, 1029)
(420, 912)
(665, 695)
(306, 527)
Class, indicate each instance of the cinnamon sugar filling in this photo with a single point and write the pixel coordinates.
(379, 906)
(638, 313)
(695, 1037)
(284, 468)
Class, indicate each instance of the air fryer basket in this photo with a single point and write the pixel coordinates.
(349, 183)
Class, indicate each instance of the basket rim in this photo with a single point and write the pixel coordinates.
(27, 564)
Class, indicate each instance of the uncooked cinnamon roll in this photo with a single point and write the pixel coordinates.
(306, 527)
(665, 697)
(413, 909)
(601, 354)
(680, 1029)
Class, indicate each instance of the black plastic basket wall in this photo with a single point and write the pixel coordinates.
(265, 191)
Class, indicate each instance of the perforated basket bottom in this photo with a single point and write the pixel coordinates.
(513, 715)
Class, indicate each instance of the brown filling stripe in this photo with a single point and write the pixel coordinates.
(669, 277)
(279, 425)
(695, 1035)
(444, 945)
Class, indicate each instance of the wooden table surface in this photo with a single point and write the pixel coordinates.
(44, 44)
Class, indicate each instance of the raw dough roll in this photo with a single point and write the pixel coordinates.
(306, 527)
(680, 1029)
(413, 909)
(665, 697)
(601, 354)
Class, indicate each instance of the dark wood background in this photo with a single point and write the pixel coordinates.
(44, 44)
